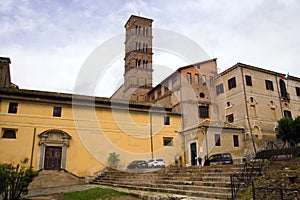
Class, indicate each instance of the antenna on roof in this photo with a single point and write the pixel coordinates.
(139, 13)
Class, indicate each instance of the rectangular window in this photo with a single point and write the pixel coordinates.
(287, 113)
(269, 85)
(235, 140)
(297, 91)
(203, 80)
(57, 111)
(203, 112)
(248, 80)
(168, 141)
(220, 89)
(231, 83)
(9, 134)
(13, 107)
(211, 81)
(217, 140)
(197, 79)
(166, 120)
(189, 78)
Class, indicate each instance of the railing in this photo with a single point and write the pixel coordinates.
(295, 192)
(242, 178)
(245, 176)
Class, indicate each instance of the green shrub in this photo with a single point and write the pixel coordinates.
(14, 180)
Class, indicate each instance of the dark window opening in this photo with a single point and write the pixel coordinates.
(13, 108)
(203, 112)
(251, 99)
(269, 85)
(220, 89)
(297, 91)
(287, 113)
(57, 111)
(230, 118)
(10, 134)
(166, 120)
(168, 141)
(202, 95)
(235, 140)
(228, 103)
(248, 80)
(217, 140)
(231, 83)
(283, 91)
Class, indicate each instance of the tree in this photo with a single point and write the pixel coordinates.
(288, 130)
(113, 159)
(14, 180)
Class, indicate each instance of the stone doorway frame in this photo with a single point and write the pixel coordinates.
(53, 137)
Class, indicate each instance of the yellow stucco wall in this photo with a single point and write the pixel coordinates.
(95, 132)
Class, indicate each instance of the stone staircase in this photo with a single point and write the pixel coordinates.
(212, 182)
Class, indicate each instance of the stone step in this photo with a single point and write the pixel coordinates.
(146, 195)
(205, 194)
(193, 188)
(196, 183)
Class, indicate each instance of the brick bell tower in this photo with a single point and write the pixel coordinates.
(138, 60)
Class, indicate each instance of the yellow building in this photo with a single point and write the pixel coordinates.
(77, 133)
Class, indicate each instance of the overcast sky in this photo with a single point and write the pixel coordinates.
(48, 41)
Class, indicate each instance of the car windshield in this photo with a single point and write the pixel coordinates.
(160, 160)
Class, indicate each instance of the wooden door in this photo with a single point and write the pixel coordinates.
(52, 157)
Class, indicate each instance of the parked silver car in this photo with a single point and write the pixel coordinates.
(159, 162)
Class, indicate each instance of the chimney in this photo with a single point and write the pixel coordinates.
(4, 72)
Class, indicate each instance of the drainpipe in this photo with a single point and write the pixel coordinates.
(151, 139)
(182, 117)
(206, 143)
(32, 149)
(247, 111)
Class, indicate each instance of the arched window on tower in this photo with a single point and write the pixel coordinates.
(146, 31)
(146, 48)
(145, 63)
(137, 63)
(136, 46)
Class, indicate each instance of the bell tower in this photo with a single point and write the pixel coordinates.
(138, 60)
(4, 72)
(138, 52)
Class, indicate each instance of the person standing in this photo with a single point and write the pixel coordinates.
(200, 160)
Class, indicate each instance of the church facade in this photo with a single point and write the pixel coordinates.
(193, 112)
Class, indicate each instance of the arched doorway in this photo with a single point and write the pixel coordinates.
(53, 149)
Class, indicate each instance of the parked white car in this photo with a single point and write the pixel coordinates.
(159, 162)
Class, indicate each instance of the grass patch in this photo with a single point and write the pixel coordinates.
(93, 194)
(297, 158)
